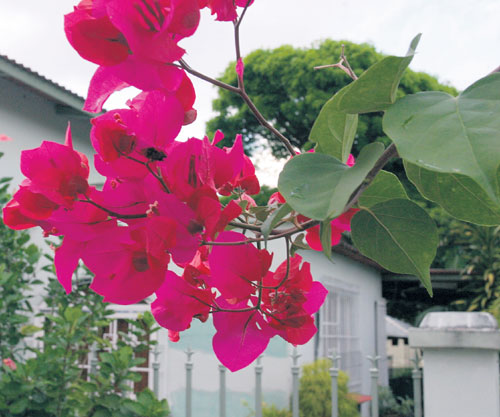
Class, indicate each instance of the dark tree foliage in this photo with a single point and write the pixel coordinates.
(290, 93)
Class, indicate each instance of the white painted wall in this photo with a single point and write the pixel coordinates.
(29, 118)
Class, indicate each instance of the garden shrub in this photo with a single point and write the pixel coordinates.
(392, 406)
(17, 264)
(315, 392)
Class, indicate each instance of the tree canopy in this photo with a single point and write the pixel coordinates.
(288, 91)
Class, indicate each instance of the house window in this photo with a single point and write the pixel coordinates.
(339, 333)
(118, 326)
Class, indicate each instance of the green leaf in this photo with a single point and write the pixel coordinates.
(272, 220)
(29, 330)
(452, 135)
(334, 130)
(325, 236)
(459, 195)
(376, 88)
(385, 186)
(18, 406)
(102, 412)
(319, 186)
(399, 235)
(135, 407)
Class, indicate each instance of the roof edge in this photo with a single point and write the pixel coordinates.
(39, 83)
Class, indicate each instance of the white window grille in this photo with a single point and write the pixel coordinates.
(339, 333)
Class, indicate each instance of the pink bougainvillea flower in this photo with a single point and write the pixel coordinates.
(125, 273)
(56, 171)
(339, 225)
(159, 119)
(152, 28)
(5, 138)
(225, 9)
(178, 302)
(173, 336)
(15, 219)
(276, 198)
(111, 136)
(236, 269)
(291, 307)
(145, 75)
(241, 337)
(9, 363)
(33, 205)
(96, 39)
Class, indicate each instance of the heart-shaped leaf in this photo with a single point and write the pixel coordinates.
(376, 88)
(399, 235)
(319, 186)
(459, 195)
(385, 186)
(453, 135)
(334, 130)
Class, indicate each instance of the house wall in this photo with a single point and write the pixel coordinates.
(29, 118)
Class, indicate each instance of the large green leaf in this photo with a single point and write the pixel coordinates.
(334, 130)
(454, 135)
(376, 88)
(459, 195)
(385, 186)
(399, 235)
(319, 186)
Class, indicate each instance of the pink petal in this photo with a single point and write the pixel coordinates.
(66, 261)
(239, 339)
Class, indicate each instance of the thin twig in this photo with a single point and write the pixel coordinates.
(113, 213)
(283, 233)
(346, 68)
(206, 78)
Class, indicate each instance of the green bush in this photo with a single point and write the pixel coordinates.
(273, 411)
(391, 406)
(315, 392)
(17, 264)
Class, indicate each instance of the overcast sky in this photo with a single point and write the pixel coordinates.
(460, 42)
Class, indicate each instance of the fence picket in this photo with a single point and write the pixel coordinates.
(334, 373)
(374, 389)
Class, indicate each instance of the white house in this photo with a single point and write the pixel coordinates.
(351, 323)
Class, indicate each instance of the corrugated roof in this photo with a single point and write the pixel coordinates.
(20, 73)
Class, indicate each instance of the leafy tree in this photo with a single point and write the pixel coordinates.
(290, 93)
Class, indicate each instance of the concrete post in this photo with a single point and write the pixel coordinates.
(416, 375)
(374, 380)
(222, 391)
(156, 371)
(460, 351)
(334, 373)
(295, 382)
(258, 388)
(189, 382)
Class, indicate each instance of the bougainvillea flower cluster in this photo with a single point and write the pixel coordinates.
(160, 200)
